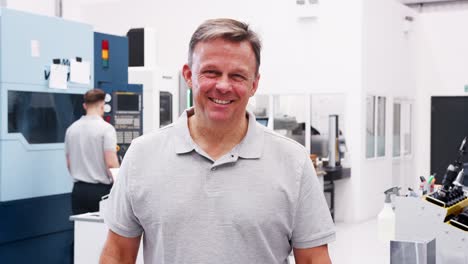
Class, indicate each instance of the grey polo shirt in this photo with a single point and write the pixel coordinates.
(86, 140)
(250, 206)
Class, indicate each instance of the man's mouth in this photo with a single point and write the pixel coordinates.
(221, 102)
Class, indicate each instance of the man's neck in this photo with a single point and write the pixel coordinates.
(218, 139)
(93, 112)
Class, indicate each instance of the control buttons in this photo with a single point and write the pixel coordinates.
(107, 98)
(107, 108)
(107, 119)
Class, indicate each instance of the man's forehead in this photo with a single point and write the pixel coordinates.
(204, 51)
(219, 43)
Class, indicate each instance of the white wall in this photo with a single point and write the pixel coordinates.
(340, 70)
(43, 7)
(387, 71)
(442, 57)
(290, 46)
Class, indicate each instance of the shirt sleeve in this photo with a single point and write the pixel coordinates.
(119, 210)
(313, 225)
(110, 139)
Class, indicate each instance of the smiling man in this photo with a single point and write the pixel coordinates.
(216, 187)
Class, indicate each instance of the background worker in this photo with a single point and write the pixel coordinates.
(90, 147)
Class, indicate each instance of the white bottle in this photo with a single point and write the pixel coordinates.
(386, 218)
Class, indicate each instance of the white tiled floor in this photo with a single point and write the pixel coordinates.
(358, 244)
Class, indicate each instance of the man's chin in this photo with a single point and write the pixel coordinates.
(221, 117)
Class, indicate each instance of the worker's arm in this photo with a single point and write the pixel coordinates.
(110, 157)
(119, 249)
(315, 255)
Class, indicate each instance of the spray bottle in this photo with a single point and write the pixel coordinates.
(386, 217)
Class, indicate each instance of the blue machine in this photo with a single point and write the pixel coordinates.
(35, 185)
(124, 102)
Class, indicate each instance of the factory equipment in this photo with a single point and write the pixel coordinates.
(185, 94)
(168, 98)
(160, 87)
(442, 215)
(124, 102)
(45, 68)
(451, 195)
(419, 220)
(331, 147)
(461, 220)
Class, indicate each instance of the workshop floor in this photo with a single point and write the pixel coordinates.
(358, 244)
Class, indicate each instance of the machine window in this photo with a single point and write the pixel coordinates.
(165, 108)
(43, 117)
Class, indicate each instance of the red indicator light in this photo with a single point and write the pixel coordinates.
(105, 44)
(107, 119)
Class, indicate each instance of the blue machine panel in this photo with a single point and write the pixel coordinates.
(115, 70)
(33, 117)
(125, 100)
(29, 43)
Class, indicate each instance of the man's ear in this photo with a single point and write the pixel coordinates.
(187, 74)
(85, 107)
(255, 85)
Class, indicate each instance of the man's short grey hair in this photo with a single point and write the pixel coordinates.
(227, 29)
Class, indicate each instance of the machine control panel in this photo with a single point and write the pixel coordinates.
(124, 112)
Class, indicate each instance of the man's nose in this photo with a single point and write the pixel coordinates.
(223, 84)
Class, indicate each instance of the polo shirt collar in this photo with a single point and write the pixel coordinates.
(183, 141)
(251, 146)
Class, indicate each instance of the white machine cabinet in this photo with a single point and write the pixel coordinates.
(90, 236)
(419, 220)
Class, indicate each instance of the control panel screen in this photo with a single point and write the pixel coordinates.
(128, 102)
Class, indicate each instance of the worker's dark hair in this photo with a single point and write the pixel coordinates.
(93, 96)
(227, 29)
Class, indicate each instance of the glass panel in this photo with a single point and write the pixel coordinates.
(380, 126)
(396, 129)
(289, 119)
(259, 105)
(43, 117)
(408, 131)
(370, 127)
(322, 106)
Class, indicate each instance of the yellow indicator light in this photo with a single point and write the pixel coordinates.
(105, 54)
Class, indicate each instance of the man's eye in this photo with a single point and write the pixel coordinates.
(210, 74)
(238, 78)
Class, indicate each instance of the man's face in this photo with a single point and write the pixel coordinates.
(222, 77)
